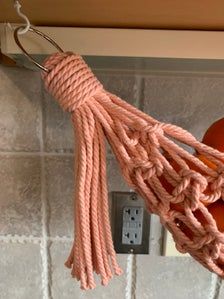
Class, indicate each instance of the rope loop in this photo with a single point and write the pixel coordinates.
(70, 80)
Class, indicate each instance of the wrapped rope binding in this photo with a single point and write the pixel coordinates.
(145, 149)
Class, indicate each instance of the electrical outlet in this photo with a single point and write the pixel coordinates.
(130, 223)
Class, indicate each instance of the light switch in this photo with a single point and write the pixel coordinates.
(169, 248)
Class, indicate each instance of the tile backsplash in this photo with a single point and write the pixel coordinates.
(36, 183)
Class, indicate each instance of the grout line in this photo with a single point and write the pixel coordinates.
(44, 244)
(215, 286)
(158, 72)
(23, 239)
(138, 91)
(130, 277)
(212, 289)
(111, 72)
(19, 239)
(22, 154)
(131, 272)
(141, 93)
(134, 276)
(163, 241)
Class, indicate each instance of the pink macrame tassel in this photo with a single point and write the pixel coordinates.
(139, 143)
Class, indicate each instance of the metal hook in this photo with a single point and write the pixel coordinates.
(31, 29)
(18, 6)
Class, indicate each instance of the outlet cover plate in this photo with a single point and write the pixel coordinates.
(120, 201)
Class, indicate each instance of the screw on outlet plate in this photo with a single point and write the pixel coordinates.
(134, 196)
(130, 223)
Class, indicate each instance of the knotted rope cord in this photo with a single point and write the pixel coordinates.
(141, 145)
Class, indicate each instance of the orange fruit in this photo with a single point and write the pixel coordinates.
(207, 162)
(214, 136)
(217, 211)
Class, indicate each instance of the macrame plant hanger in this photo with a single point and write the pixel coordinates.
(145, 149)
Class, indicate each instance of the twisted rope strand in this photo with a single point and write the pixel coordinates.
(105, 207)
(100, 200)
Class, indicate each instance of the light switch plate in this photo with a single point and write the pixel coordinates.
(169, 248)
(130, 223)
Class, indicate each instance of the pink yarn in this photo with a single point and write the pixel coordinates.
(139, 143)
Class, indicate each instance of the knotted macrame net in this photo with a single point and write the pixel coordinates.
(144, 148)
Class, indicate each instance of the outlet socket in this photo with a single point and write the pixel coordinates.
(130, 223)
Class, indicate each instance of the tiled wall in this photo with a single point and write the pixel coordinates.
(36, 186)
